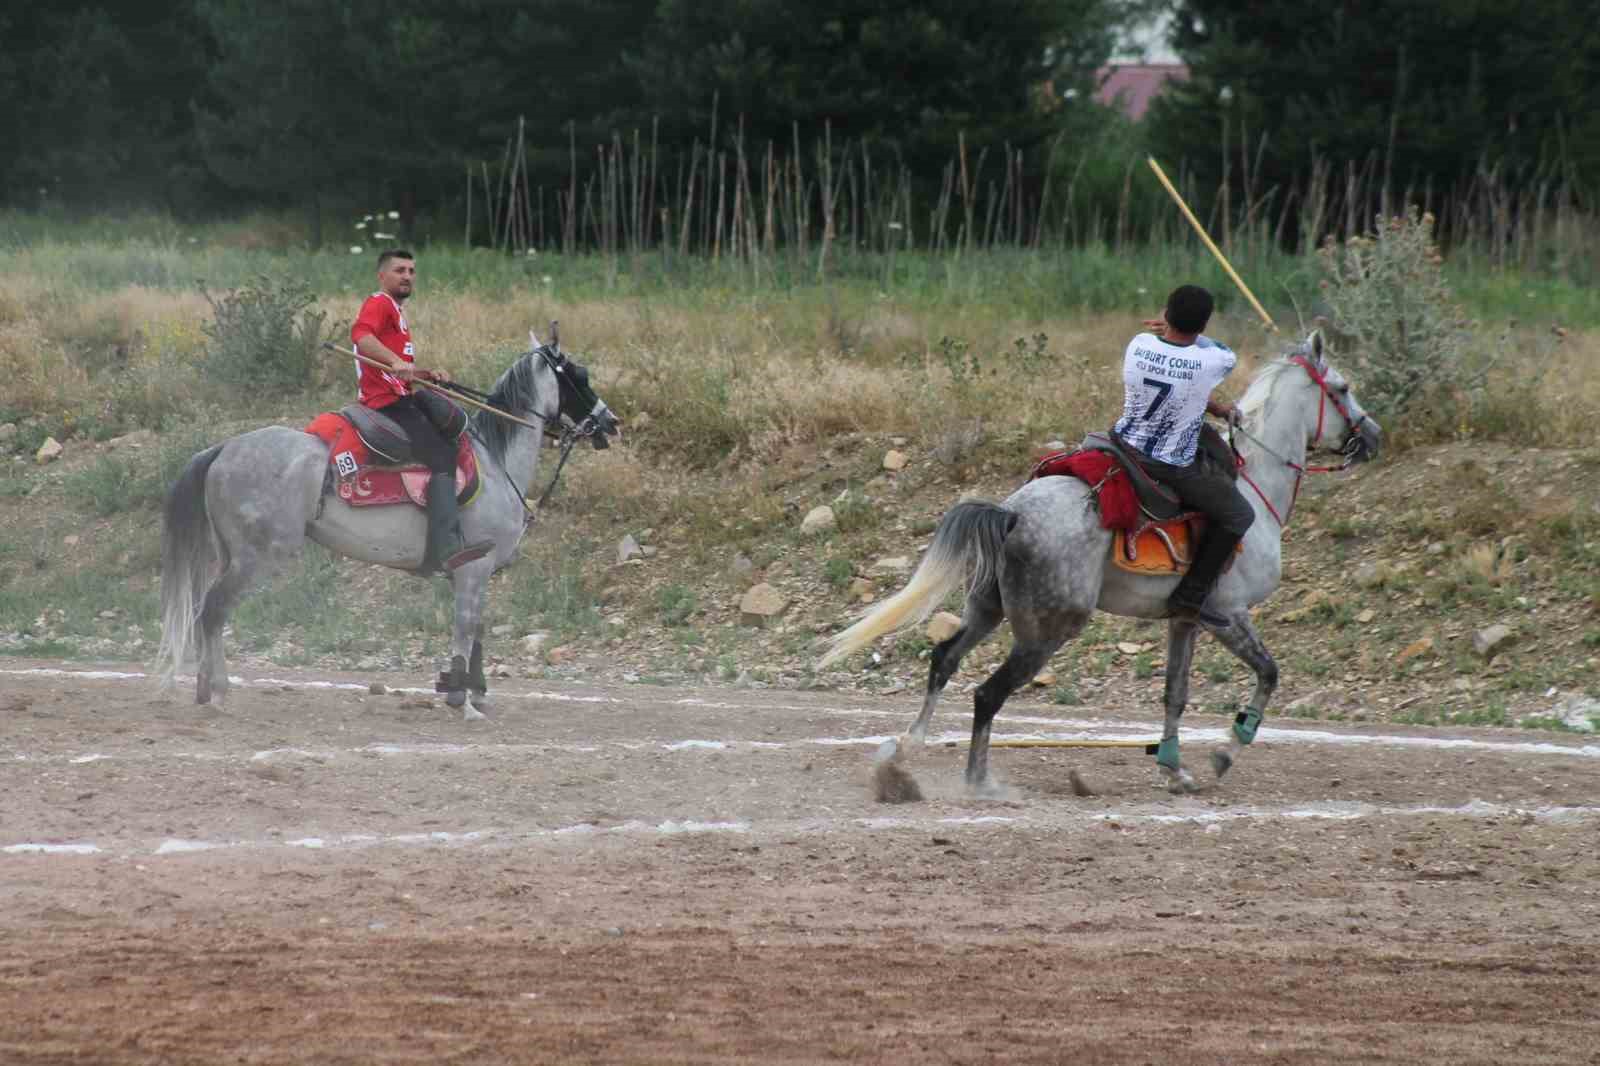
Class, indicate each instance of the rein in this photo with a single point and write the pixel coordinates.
(1300, 469)
(568, 437)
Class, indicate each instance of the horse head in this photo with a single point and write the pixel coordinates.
(1353, 433)
(580, 409)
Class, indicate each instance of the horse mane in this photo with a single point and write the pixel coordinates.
(1259, 393)
(516, 390)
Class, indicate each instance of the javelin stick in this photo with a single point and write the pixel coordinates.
(1198, 228)
(449, 394)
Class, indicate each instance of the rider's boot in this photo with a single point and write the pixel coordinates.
(1188, 600)
(445, 550)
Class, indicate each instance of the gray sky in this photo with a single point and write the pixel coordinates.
(1147, 43)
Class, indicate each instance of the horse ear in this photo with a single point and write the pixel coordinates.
(555, 334)
(1319, 353)
(533, 339)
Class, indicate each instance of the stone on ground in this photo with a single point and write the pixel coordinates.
(760, 605)
(818, 520)
(943, 626)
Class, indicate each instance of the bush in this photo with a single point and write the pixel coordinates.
(265, 334)
(676, 603)
(129, 479)
(1388, 294)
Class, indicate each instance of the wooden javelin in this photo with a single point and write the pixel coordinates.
(1198, 228)
(449, 394)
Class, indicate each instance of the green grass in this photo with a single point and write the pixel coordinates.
(675, 604)
(551, 592)
(153, 251)
(838, 571)
(1553, 724)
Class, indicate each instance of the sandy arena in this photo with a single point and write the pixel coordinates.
(317, 874)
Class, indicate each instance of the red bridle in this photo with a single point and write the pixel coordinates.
(1352, 425)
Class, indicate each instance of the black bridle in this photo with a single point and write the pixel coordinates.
(562, 429)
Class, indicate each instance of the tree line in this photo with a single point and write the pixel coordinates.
(207, 108)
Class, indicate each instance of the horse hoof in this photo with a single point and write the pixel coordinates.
(1182, 784)
(479, 701)
(1221, 762)
(469, 713)
(988, 789)
(456, 698)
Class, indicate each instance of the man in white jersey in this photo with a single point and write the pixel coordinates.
(1167, 377)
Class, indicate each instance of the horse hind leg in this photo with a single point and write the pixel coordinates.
(980, 617)
(211, 670)
(1244, 641)
(1027, 658)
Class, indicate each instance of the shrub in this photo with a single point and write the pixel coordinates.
(676, 603)
(1387, 293)
(265, 334)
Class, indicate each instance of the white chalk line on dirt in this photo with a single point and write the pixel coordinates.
(1045, 818)
(1199, 735)
(1078, 728)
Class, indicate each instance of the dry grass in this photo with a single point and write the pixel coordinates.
(724, 379)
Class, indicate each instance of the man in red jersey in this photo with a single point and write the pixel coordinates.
(433, 423)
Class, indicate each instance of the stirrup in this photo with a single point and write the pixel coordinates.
(469, 554)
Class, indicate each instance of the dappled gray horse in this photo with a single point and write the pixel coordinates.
(1041, 559)
(243, 509)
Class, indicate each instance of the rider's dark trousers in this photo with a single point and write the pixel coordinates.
(428, 444)
(1203, 487)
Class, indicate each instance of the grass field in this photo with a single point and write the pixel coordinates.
(748, 393)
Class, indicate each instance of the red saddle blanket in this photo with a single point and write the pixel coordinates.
(1141, 545)
(1119, 504)
(362, 483)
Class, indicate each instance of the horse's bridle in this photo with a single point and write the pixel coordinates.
(561, 429)
(1350, 451)
(1352, 442)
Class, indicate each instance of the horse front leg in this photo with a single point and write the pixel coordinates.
(1180, 656)
(1244, 641)
(470, 584)
(477, 682)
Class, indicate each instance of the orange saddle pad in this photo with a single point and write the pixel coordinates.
(1162, 547)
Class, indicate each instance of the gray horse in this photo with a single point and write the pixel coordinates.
(1041, 559)
(243, 509)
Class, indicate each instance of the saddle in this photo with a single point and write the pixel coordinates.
(370, 461)
(1152, 532)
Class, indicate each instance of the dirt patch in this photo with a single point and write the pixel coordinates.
(620, 873)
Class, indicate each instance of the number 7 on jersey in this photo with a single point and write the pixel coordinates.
(1163, 390)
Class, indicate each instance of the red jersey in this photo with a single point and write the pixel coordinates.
(382, 318)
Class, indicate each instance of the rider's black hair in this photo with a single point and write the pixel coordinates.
(1189, 308)
(392, 253)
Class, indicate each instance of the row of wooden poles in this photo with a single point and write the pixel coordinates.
(753, 206)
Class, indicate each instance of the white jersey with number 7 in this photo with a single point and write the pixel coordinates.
(1165, 388)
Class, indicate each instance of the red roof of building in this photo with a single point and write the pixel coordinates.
(1132, 86)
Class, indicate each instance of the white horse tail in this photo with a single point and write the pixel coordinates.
(970, 536)
(187, 552)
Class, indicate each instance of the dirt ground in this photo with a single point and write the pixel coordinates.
(605, 874)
